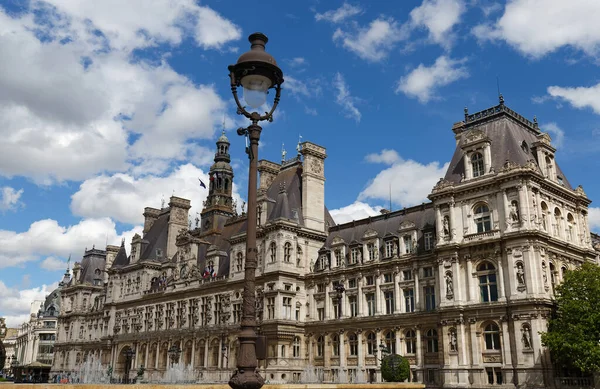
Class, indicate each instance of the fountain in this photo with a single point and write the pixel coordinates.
(312, 375)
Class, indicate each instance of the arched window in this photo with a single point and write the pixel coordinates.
(549, 167)
(239, 261)
(273, 251)
(431, 337)
(353, 342)
(320, 346)
(491, 335)
(557, 220)
(287, 252)
(552, 276)
(298, 256)
(477, 164)
(371, 344)
(296, 347)
(335, 346)
(486, 272)
(411, 342)
(390, 342)
(482, 218)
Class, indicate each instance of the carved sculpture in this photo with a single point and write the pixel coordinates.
(449, 286)
(453, 340)
(520, 276)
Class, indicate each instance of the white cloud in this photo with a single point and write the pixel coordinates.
(100, 94)
(558, 135)
(296, 62)
(578, 97)
(372, 43)
(438, 17)
(344, 99)
(410, 181)
(594, 219)
(296, 87)
(558, 23)
(339, 15)
(423, 82)
(48, 238)
(15, 304)
(53, 264)
(123, 196)
(355, 211)
(9, 198)
(386, 156)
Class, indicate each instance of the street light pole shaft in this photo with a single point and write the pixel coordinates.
(247, 376)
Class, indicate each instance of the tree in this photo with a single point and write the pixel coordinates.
(395, 368)
(573, 335)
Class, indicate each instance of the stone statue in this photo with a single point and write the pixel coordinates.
(526, 338)
(453, 340)
(513, 214)
(312, 265)
(544, 275)
(449, 285)
(544, 221)
(520, 274)
(446, 226)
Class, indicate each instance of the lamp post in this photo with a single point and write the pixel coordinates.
(129, 353)
(13, 364)
(339, 289)
(174, 352)
(256, 71)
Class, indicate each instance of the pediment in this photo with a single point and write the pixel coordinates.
(337, 241)
(406, 225)
(370, 233)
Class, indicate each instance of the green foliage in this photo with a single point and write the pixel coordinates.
(573, 335)
(395, 368)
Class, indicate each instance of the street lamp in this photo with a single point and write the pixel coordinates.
(339, 289)
(174, 352)
(257, 72)
(129, 353)
(13, 364)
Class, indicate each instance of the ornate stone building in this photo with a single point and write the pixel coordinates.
(461, 286)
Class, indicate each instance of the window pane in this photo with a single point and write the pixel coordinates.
(493, 293)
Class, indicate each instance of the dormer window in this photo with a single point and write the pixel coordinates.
(477, 165)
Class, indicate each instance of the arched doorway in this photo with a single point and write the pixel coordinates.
(125, 363)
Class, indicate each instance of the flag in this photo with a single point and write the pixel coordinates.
(202, 183)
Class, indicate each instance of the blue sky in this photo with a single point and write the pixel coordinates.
(107, 107)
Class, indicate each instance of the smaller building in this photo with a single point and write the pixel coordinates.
(34, 343)
(9, 343)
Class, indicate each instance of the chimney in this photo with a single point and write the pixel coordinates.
(150, 216)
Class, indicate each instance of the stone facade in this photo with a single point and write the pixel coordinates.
(461, 286)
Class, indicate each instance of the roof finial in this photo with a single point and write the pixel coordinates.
(68, 263)
(466, 114)
(501, 98)
(535, 122)
(283, 153)
(197, 219)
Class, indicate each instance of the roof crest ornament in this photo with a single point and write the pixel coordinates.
(283, 153)
(299, 145)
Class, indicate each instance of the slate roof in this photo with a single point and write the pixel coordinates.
(506, 130)
(285, 194)
(121, 259)
(156, 238)
(423, 217)
(92, 259)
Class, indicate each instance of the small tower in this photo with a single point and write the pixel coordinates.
(218, 206)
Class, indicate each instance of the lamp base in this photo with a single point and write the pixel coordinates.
(246, 379)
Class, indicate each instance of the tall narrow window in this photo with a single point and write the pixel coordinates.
(408, 245)
(371, 344)
(557, 222)
(287, 308)
(389, 302)
(390, 342)
(411, 342)
(482, 218)
(352, 301)
(371, 251)
(238, 262)
(320, 346)
(477, 164)
(486, 272)
(491, 335)
(296, 347)
(354, 256)
(389, 248)
(338, 257)
(431, 337)
(428, 240)
(370, 297)
(409, 300)
(429, 298)
(335, 346)
(287, 252)
(271, 308)
(353, 342)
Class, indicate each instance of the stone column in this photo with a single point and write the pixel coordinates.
(523, 204)
(439, 224)
(327, 302)
(206, 352)
(469, 280)
(455, 227)
(417, 293)
(157, 355)
(193, 359)
(463, 343)
(342, 337)
(500, 281)
(456, 280)
(505, 341)
(397, 295)
(378, 295)
(419, 350)
(145, 356)
(360, 298)
(360, 350)
(506, 208)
